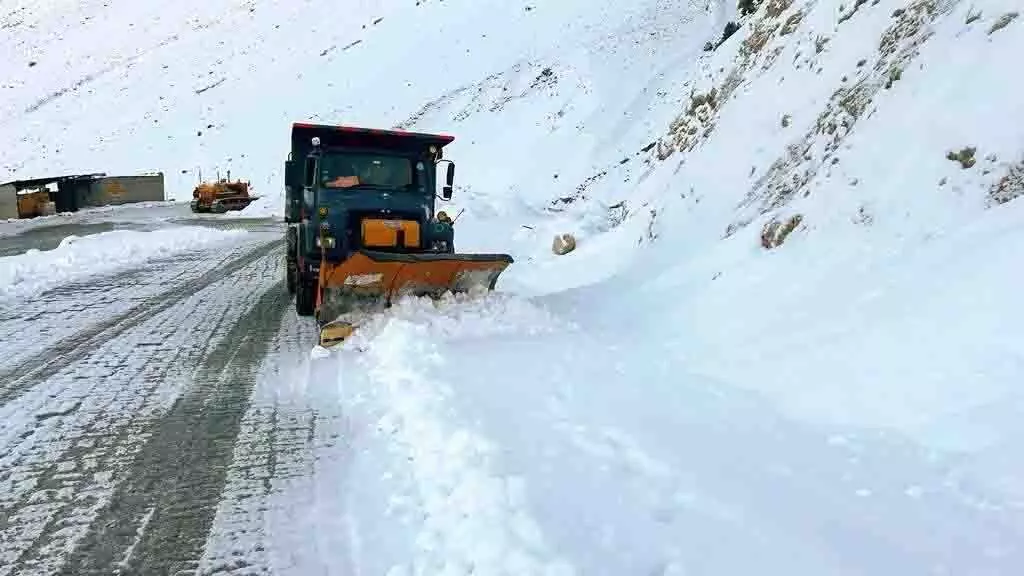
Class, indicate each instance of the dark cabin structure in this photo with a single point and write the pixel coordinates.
(70, 193)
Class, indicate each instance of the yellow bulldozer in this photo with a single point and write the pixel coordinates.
(221, 195)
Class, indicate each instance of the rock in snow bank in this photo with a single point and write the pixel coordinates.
(77, 259)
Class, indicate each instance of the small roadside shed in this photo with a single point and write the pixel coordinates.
(63, 191)
(69, 193)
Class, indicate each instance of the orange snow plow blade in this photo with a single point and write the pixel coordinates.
(370, 281)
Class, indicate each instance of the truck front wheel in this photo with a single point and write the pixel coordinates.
(291, 273)
(305, 296)
(291, 262)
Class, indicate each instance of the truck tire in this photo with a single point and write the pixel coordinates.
(291, 263)
(291, 238)
(305, 297)
(290, 275)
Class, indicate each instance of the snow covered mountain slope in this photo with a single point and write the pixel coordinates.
(882, 139)
(807, 223)
(887, 231)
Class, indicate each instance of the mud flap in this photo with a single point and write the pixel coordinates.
(369, 281)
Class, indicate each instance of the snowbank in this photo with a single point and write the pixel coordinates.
(452, 509)
(265, 206)
(78, 259)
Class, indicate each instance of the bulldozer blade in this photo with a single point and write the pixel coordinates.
(372, 280)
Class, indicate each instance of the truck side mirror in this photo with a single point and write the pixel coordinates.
(446, 191)
(310, 179)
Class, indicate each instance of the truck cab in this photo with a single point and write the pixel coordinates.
(349, 189)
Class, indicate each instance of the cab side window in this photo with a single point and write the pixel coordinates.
(308, 182)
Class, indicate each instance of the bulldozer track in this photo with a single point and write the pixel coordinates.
(16, 380)
(88, 438)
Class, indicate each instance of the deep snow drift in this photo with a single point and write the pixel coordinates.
(788, 341)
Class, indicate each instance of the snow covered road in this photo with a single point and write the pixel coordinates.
(120, 400)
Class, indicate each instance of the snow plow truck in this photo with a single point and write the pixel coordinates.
(362, 226)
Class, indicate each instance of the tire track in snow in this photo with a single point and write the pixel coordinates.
(174, 484)
(290, 440)
(60, 470)
(268, 450)
(113, 359)
(37, 368)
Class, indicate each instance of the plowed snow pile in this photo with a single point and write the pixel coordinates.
(79, 259)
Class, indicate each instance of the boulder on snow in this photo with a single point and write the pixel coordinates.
(775, 232)
(563, 244)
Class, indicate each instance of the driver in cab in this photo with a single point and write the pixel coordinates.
(374, 172)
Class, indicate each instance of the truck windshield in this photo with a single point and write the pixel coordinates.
(350, 170)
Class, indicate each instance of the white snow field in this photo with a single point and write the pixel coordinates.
(789, 339)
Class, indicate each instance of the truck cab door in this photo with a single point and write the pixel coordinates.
(307, 205)
(309, 187)
(292, 192)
